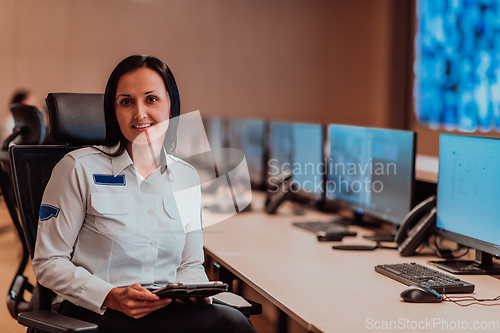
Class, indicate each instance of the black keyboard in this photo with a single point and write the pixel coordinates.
(412, 273)
(317, 226)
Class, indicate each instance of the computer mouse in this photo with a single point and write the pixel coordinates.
(421, 294)
(329, 236)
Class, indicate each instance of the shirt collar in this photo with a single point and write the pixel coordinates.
(121, 162)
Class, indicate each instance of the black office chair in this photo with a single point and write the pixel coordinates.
(75, 118)
(29, 129)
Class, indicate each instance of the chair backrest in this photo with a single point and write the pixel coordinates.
(77, 119)
(29, 126)
(31, 170)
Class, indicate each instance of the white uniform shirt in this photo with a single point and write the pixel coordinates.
(102, 225)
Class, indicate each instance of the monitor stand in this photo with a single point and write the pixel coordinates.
(356, 219)
(483, 265)
(380, 237)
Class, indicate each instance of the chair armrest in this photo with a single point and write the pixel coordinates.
(15, 299)
(55, 323)
(246, 307)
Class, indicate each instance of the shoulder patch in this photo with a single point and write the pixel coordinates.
(76, 154)
(48, 211)
(119, 180)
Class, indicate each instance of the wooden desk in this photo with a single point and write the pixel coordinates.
(326, 290)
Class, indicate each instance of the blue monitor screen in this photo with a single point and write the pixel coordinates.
(469, 188)
(371, 170)
(308, 160)
(215, 133)
(280, 150)
(234, 133)
(216, 139)
(252, 145)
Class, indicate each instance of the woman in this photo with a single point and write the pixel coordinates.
(116, 220)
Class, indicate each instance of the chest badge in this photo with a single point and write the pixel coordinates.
(119, 180)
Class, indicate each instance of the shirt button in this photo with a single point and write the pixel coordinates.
(146, 269)
(147, 186)
(153, 243)
(150, 212)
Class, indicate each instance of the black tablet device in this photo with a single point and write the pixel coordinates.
(185, 290)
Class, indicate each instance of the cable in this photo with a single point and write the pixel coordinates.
(473, 300)
(445, 253)
(464, 254)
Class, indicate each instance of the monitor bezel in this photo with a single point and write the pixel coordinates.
(474, 243)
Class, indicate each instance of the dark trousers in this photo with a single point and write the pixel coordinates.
(174, 318)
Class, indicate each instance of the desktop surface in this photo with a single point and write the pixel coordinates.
(322, 289)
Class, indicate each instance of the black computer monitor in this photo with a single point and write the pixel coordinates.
(467, 201)
(307, 161)
(234, 133)
(217, 137)
(280, 154)
(216, 132)
(252, 144)
(248, 135)
(195, 144)
(371, 171)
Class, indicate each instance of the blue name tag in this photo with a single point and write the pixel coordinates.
(48, 211)
(119, 180)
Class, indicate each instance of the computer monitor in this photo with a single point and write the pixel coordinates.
(234, 133)
(248, 135)
(467, 200)
(371, 171)
(217, 133)
(194, 145)
(280, 154)
(252, 145)
(308, 161)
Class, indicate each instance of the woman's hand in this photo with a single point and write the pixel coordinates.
(135, 301)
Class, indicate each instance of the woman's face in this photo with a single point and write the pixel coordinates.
(142, 106)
